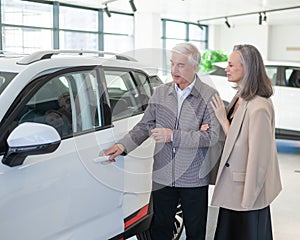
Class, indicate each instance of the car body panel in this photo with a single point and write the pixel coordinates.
(71, 193)
(53, 193)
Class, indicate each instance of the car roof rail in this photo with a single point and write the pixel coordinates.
(47, 54)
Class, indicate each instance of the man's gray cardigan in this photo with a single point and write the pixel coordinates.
(187, 160)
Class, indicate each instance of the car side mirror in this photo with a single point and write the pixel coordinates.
(30, 139)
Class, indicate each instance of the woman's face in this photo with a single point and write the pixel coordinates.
(234, 69)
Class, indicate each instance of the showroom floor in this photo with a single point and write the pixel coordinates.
(285, 209)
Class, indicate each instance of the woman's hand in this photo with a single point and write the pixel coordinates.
(220, 112)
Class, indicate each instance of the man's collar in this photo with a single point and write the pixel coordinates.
(188, 88)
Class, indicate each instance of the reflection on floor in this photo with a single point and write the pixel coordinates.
(285, 209)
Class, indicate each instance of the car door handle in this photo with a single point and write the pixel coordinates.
(102, 160)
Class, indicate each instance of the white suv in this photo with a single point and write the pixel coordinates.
(286, 81)
(58, 113)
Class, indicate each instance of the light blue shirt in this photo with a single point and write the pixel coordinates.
(181, 96)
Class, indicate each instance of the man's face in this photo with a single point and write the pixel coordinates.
(182, 71)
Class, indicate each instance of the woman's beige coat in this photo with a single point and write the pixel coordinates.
(248, 176)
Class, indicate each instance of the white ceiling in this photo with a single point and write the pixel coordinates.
(193, 10)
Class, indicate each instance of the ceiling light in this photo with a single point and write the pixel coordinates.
(260, 19)
(265, 17)
(106, 10)
(227, 23)
(132, 5)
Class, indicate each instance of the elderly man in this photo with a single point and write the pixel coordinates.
(180, 119)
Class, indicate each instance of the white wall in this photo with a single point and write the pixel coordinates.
(281, 38)
(272, 41)
(225, 38)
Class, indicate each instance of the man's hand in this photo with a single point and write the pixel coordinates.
(204, 127)
(162, 135)
(114, 151)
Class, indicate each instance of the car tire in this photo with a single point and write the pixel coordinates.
(178, 224)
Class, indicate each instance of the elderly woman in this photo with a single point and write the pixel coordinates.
(248, 179)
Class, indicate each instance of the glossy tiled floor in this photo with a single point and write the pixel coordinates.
(285, 209)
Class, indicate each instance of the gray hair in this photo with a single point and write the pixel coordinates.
(190, 50)
(255, 80)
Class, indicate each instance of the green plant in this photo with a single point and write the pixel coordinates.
(211, 56)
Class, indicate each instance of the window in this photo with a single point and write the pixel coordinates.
(27, 13)
(177, 31)
(83, 40)
(117, 43)
(78, 19)
(49, 105)
(28, 26)
(25, 26)
(70, 102)
(144, 83)
(272, 73)
(118, 32)
(80, 25)
(293, 77)
(125, 98)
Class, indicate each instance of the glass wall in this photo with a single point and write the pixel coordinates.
(27, 26)
(30, 25)
(80, 25)
(177, 31)
(174, 32)
(118, 33)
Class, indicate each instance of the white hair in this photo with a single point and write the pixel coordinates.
(190, 50)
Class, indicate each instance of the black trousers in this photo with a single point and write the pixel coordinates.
(194, 204)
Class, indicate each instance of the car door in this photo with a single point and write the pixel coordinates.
(71, 193)
(285, 98)
(129, 92)
(289, 97)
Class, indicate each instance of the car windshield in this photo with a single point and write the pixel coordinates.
(5, 79)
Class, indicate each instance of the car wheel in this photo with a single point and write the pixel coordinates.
(178, 224)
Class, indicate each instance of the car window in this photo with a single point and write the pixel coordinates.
(45, 106)
(155, 81)
(272, 73)
(70, 102)
(125, 97)
(144, 84)
(292, 77)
